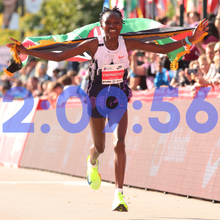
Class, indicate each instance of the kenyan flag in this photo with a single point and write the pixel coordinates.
(136, 28)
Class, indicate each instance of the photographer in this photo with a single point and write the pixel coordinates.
(192, 74)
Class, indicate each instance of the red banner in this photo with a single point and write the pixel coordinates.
(13, 143)
(183, 161)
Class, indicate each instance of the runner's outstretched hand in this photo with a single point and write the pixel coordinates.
(20, 47)
(201, 28)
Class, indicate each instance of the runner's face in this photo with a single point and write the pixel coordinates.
(111, 24)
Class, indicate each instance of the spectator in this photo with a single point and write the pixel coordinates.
(30, 67)
(136, 59)
(151, 69)
(65, 80)
(10, 16)
(48, 89)
(210, 54)
(21, 75)
(172, 23)
(216, 79)
(52, 65)
(73, 66)
(42, 87)
(54, 92)
(4, 86)
(190, 75)
(56, 75)
(57, 91)
(194, 18)
(40, 71)
(211, 17)
(83, 67)
(165, 61)
(177, 77)
(75, 78)
(217, 55)
(162, 76)
(217, 20)
(147, 69)
(163, 20)
(176, 17)
(84, 74)
(186, 19)
(18, 92)
(84, 80)
(32, 86)
(16, 83)
(202, 81)
(209, 51)
(204, 65)
(57, 88)
(175, 21)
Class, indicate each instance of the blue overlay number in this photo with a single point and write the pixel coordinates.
(61, 113)
(199, 104)
(159, 105)
(113, 114)
(14, 124)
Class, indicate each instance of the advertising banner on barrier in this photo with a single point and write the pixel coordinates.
(184, 161)
(15, 119)
(173, 149)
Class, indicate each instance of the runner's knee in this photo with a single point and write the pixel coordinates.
(119, 146)
(99, 148)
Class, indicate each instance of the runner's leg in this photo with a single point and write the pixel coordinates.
(119, 150)
(97, 125)
(120, 161)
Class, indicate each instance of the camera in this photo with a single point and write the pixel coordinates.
(194, 71)
(140, 54)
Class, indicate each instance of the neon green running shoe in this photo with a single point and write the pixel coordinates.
(119, 204)
(93, 176)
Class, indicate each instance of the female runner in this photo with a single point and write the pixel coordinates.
(110, 49)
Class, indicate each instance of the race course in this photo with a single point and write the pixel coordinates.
(27, 194)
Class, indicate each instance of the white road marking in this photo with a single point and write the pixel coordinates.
(70, 183)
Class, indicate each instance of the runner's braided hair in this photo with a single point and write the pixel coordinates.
(115, 9)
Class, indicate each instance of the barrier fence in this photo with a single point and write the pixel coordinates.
(184, 161)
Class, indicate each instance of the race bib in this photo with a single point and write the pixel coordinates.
(112, 74)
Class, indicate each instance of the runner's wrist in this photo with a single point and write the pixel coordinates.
(189, 40)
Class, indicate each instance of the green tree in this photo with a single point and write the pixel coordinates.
(61, 17)
(55, 17)
(171, 9)
(6, 33)
(1, 7)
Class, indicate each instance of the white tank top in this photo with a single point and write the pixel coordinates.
(104, 57)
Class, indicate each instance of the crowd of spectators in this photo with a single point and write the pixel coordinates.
(199, 68)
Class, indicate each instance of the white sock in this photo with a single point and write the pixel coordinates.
(118, 190)
(91, 165)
